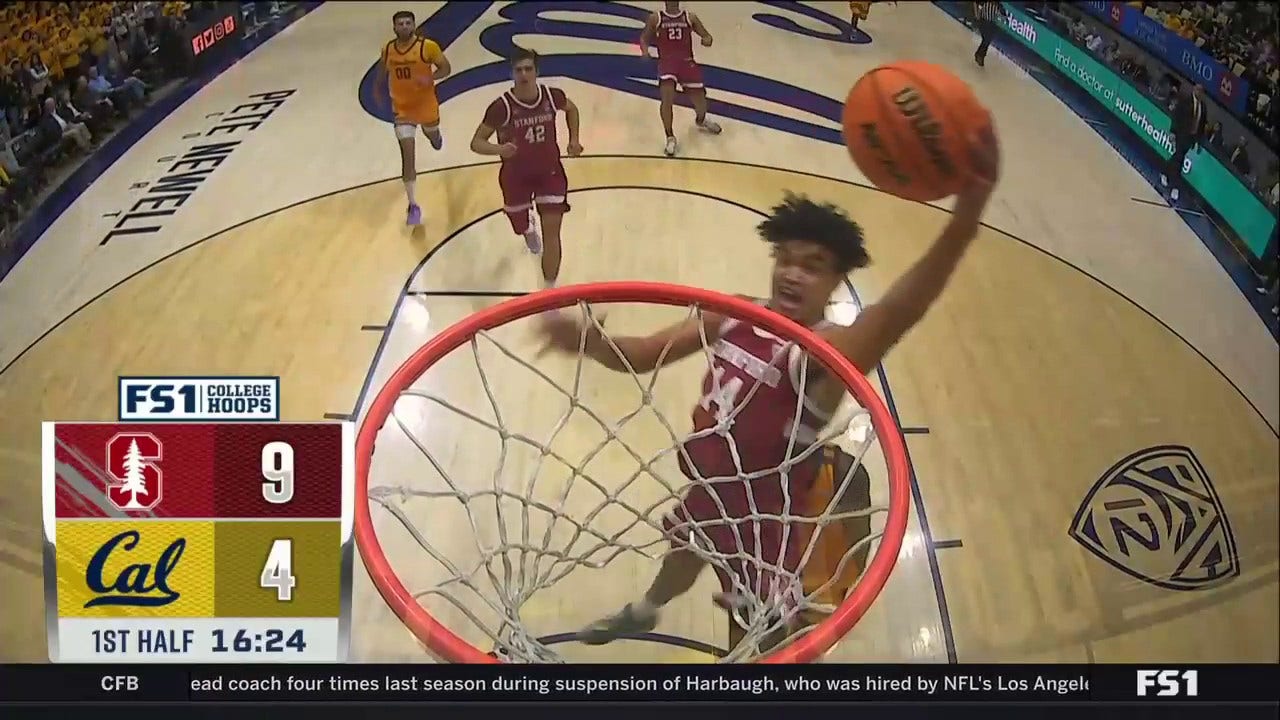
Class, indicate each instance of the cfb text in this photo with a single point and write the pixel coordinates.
(119, 683)
(190, 399)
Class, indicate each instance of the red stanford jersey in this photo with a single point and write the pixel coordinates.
(531, 127)
(754, 378)
(675, 37)
(754, 381)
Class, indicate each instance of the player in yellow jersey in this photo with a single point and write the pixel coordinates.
(413, 65)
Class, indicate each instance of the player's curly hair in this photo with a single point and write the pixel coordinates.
(799, 218)
(402, 14)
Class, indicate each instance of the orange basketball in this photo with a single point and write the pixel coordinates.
(907, 127)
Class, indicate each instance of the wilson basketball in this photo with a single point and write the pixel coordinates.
(907, 127)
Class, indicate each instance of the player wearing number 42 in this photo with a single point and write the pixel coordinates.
(413, 65)
(745, 421)
(531, 175)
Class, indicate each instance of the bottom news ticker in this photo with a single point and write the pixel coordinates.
(44, 684)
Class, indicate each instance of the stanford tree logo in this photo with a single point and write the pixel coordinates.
(136, 480)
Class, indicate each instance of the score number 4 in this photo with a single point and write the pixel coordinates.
(277, 489)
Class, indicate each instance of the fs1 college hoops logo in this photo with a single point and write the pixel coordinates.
(199, 399)
(1156, 516)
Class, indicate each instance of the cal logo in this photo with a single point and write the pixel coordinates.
(146, 569)
(141, 583)
(1156, 516)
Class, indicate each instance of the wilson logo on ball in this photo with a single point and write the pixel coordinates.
(871, 136)
(927, 129)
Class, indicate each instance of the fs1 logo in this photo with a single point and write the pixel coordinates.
(1156, 516)
(1169, 683)
(132, 463)
(142, 584)
(199, 399)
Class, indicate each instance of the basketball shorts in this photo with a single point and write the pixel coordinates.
(410, 116)
(832, 569)
(753, 554)
(686, 73)
(522, 189)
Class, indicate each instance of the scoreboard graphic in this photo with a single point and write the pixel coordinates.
(175, 542)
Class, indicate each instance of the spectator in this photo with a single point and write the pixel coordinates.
(131, 85)
(67, 110)
(99, 107)
(38, 72)
(8, 161)
(1093, 44)
(99, 88)
(1111, 53)
(56, 130)
(1160, 90)
(1240, 161)
(1215, 136)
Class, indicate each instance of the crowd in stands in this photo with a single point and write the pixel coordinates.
(71, 73)
(1239, 35)
(1263, 180)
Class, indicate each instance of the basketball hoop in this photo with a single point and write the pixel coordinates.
(526, 562)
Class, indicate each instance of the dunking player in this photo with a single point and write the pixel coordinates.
(752, 390)
(413, 65)
(531, 175)
(673, 30)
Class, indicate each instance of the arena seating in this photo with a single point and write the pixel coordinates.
(94, 61)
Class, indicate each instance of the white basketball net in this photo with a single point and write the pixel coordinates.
(530, 524)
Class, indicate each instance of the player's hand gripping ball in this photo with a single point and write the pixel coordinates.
(908, 127)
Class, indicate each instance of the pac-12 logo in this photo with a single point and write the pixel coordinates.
(1156, 516)
(133, 466)
(199, 399)
(140, 584)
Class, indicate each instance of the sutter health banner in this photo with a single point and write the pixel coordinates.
(1223, 191)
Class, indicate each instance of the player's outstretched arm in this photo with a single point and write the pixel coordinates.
(880, 326)
(564, 333)
(700, 30)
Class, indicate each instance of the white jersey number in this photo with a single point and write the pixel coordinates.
(723, 395)
(535, 134)
(675, 33)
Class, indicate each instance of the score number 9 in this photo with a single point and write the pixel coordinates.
(277, 468)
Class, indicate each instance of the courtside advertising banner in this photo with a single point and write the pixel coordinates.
(1177, 52)
(1221, 190)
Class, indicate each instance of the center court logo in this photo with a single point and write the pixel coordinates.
(1156, 516)
(138, 584)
